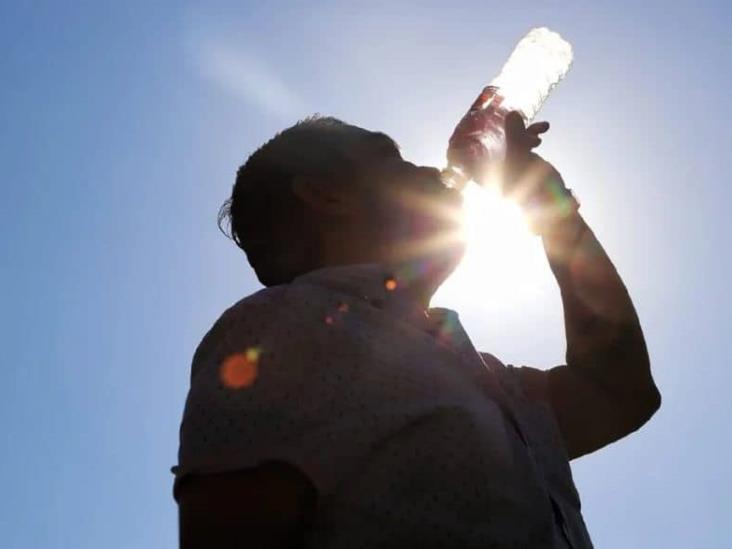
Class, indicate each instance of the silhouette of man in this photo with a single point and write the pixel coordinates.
(334, 408)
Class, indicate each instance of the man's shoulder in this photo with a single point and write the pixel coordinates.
(265, 298)
(256, 312)
(261, 305)
(285, 307)
(278, 299)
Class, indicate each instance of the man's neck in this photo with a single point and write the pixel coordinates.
(418, 277)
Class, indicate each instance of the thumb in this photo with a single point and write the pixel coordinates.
(515, 129)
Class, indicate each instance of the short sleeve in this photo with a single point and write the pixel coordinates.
(524, 382)
(527, 389)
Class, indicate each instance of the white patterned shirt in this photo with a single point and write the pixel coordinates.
(411, 437)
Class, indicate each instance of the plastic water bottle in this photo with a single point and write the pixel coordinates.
(538, 62)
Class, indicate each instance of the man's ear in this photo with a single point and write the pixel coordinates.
(325, 196)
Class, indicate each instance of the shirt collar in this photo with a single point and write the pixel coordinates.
(385, 288)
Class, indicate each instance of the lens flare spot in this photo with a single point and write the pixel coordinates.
(390, 284)
(239, 370)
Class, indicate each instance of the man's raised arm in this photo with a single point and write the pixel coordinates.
(605, 391)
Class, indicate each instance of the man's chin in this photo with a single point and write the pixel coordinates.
(449, 260)
(430, 268)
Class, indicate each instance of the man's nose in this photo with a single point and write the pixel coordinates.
(430, 175)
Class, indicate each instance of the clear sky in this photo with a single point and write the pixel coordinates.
(123, 124)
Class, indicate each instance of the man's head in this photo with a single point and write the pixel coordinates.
(327, 193)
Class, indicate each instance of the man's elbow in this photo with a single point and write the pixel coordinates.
(642, 406)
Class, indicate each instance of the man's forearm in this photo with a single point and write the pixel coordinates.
(605, 342)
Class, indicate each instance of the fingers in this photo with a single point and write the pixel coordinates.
(514, 128)
(518, 141)
(532, 141)
(538, 127)
(533, 131)
(515, 124)
(520, 137)
(525, 173)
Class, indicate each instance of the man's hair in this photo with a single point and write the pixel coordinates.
(264, 217)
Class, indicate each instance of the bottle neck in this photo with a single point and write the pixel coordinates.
(454, 177)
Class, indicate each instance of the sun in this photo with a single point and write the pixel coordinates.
(503, 262)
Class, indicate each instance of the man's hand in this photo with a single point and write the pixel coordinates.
(532, 182)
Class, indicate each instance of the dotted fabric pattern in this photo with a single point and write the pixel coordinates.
(410, 435)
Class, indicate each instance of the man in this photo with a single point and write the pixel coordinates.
(334, 408)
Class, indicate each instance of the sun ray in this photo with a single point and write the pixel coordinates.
(503, 259)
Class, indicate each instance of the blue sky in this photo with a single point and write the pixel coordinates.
(123, 125)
